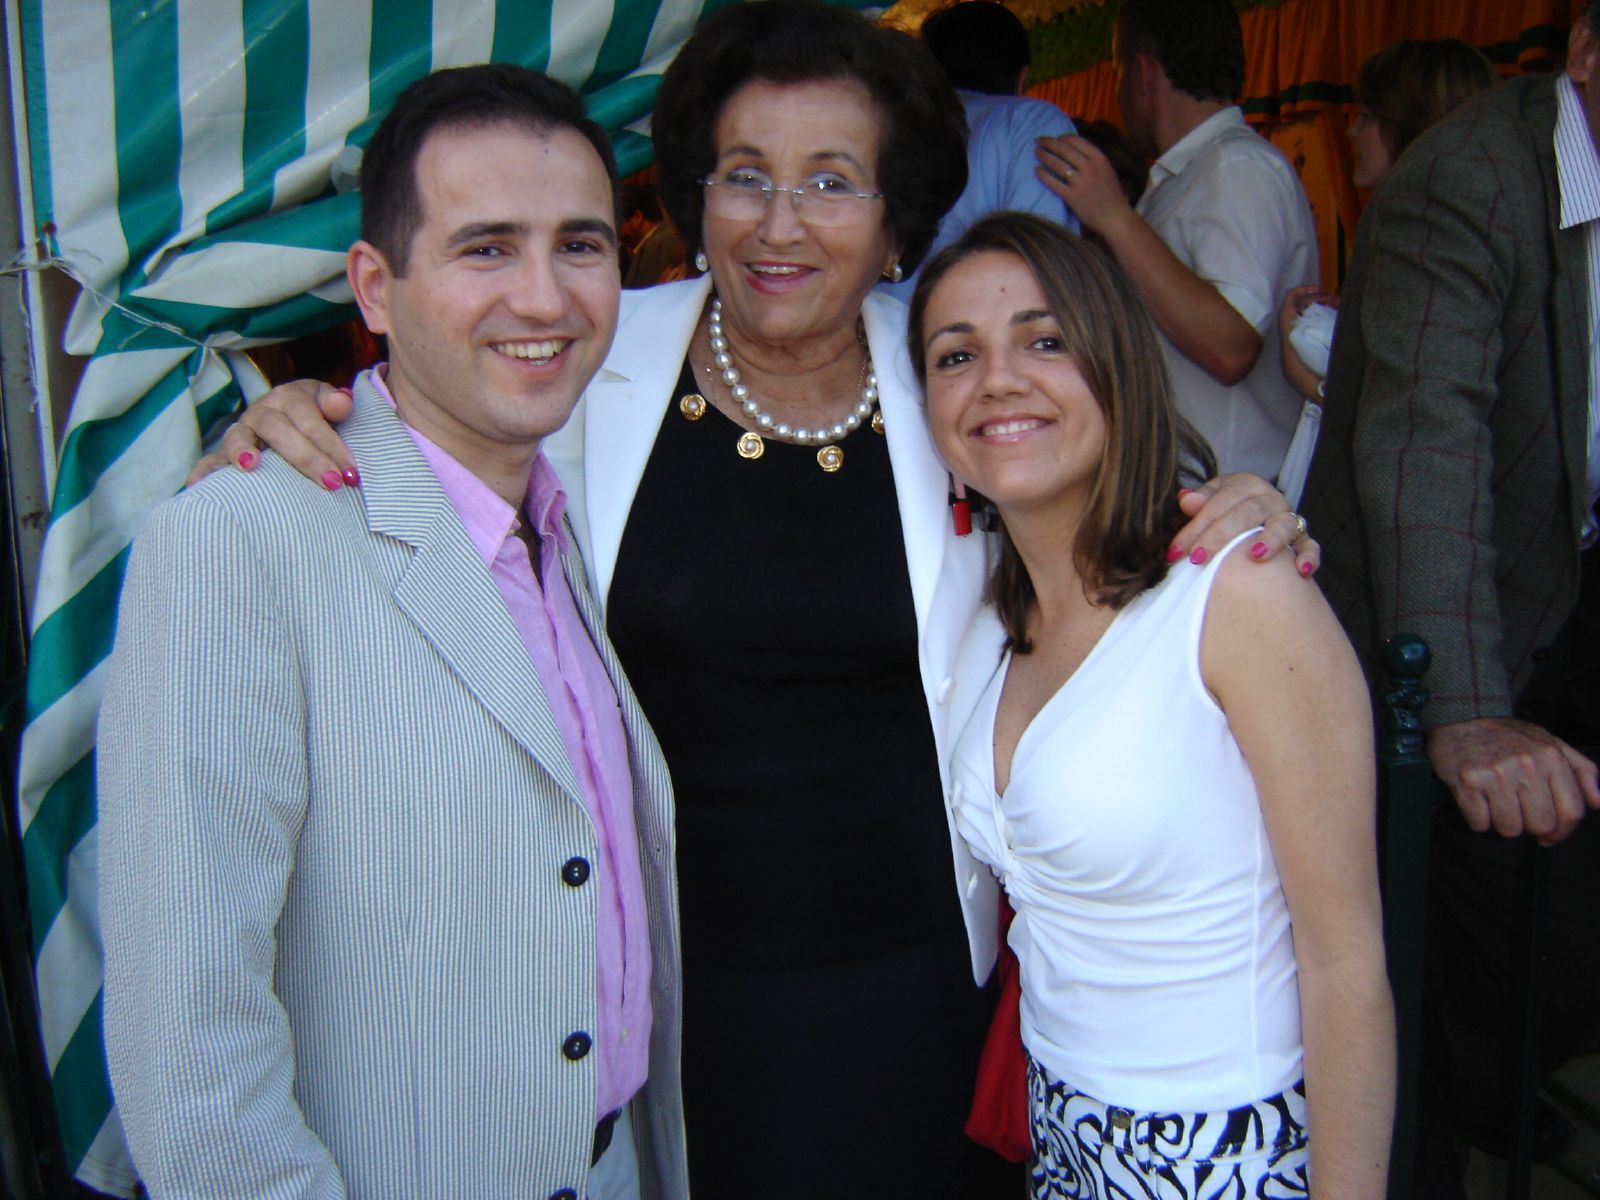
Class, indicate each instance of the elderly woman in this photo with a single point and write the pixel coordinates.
(1204, 999)
(765, 521)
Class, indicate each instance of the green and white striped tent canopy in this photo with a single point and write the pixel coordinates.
(183, 156)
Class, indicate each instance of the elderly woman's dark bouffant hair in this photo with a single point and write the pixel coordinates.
(1150, 451)
(922, 164)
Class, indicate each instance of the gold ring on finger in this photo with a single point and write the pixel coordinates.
(1300, 532)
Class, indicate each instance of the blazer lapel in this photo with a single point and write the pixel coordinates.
(622, 413)
(652, 783)
(1569, 316)
(641, 738)
(445, 589)
(1572, 361)
(920, 481)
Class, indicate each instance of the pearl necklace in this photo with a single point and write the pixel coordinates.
(749, 446)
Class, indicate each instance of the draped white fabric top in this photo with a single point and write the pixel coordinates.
(1158, 970)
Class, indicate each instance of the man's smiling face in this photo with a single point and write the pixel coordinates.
(509, 299)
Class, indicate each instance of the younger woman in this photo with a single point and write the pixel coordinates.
(1171, 772)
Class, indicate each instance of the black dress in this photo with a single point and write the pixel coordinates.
(763, 611)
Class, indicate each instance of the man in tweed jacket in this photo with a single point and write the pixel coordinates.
(1453, 490)
(385, 841)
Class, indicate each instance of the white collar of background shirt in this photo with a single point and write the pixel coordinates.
(1577, 160)
(1578, 181)
(1182, 151)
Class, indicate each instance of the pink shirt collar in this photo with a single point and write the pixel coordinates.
(488, 519)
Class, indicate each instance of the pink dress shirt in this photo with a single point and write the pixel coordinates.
(584, 705)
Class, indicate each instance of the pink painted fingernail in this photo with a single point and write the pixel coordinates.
(1199, 556)
(1306, 569)
(1173, 554)
(1182, 492)
(1259, 550)
(247, 459)
(331, 481)
(351, 476)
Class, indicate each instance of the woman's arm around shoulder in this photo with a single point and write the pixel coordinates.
(1282, 669)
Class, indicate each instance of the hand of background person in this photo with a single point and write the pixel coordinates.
(295, 419)
(1221, 509)
(1514, 777)
(1295, 302)
(1297, 299)
(1075, 169)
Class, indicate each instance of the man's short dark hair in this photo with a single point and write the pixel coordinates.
(1197, 42)
(980, 44)
(455, 99)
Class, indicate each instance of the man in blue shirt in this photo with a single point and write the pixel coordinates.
(983, 49)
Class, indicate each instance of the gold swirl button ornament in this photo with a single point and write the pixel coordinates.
(750, 446)
(830, 458)
(877, 421)
(693, 406)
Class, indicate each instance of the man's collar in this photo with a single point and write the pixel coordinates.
(488, 519)
(1181, 152)
(1577, 161)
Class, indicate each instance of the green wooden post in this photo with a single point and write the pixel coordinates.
(1533, 912)
(1408, 791)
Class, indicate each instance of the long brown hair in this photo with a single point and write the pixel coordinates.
(1150, 450)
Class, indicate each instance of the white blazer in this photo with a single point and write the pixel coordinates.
(601, 454)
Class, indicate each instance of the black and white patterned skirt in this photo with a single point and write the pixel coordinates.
(1084, 1149)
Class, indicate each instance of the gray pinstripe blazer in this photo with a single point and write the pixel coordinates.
(341, 959)
(1448, 485)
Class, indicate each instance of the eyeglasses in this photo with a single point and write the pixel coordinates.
(824, 199)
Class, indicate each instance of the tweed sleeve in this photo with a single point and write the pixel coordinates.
(1432, 313)
(202, 790)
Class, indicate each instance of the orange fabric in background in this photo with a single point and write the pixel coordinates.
(1323, 42)
(1316, 144)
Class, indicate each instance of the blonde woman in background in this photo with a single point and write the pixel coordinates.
(1402, 90)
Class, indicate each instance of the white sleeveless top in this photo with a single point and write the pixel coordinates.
(1157, 968)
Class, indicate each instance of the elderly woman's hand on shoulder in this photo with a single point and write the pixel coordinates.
(1221, 509)
(296, 420)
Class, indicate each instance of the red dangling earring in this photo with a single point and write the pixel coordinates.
(960, 507)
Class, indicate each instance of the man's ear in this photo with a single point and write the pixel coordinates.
(1147, 72)
(1583, 53)
(370, 280)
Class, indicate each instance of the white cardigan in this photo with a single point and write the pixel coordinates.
(601, 454)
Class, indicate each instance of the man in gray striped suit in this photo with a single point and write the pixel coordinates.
(385, 842)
